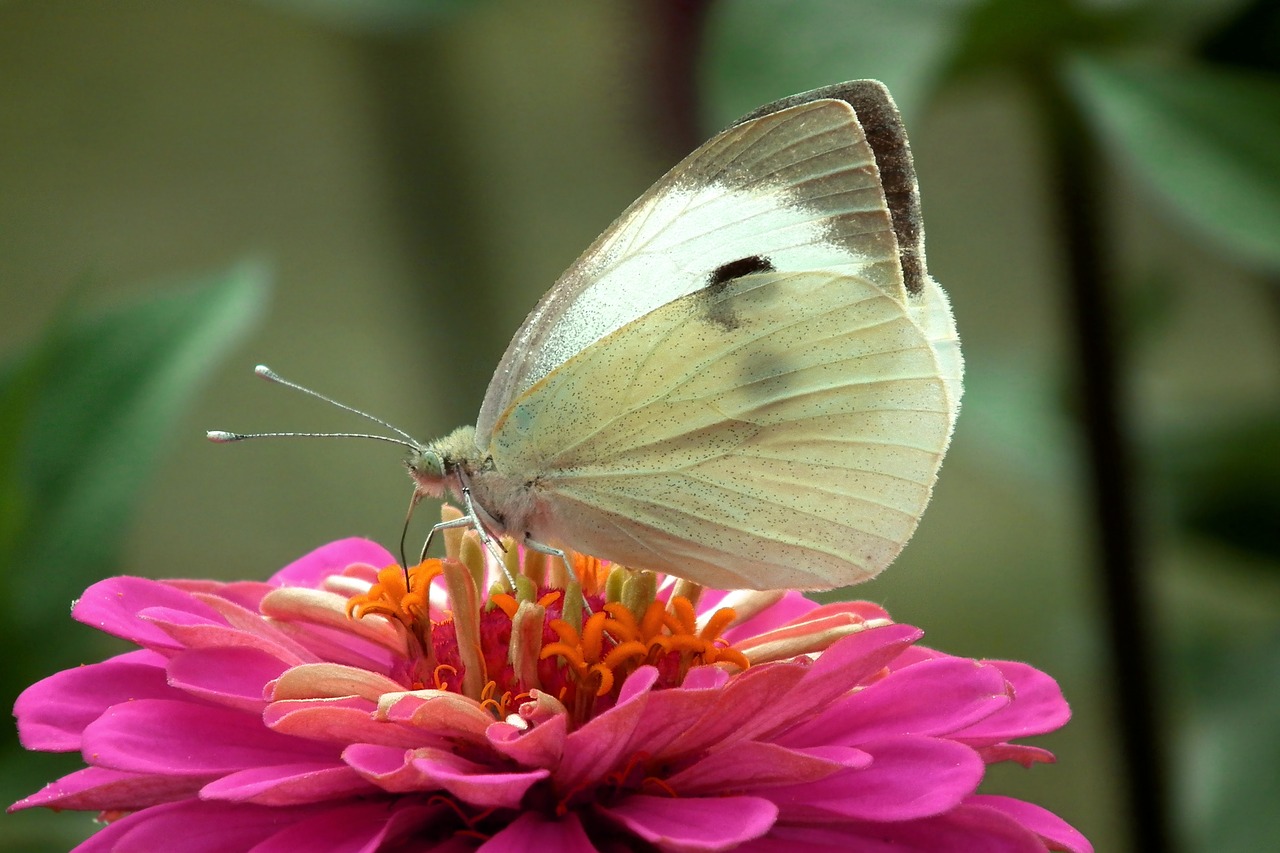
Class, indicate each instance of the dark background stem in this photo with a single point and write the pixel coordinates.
(1122, 564)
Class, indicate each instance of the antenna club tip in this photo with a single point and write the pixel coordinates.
(264, 371)
(218, 436)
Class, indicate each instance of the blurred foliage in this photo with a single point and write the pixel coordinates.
(1182, 95)
(85, 414)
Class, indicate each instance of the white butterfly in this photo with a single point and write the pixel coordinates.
(749, 380)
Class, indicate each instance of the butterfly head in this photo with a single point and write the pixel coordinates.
(438, 464)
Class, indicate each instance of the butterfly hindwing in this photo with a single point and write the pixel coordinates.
(790, 424)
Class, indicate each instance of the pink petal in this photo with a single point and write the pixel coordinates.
(604, 741)
(269, 635)
(189, 739)
(694, 823)
(203, 827)
(744, 707)
(387, 767)
(541, 746)
(363, 827)
(234, 677)
(964, 830)
(789, 838)
(936, 697)
(1057, 832)
(645, 723)
(535, 831)
(288, 784)
(246, 594)
(1027, 756)
(476, 784)
(96, 789)
(112, 606)
(53, 712)
(848, 662)
(1038, 707)
(705, 678)
(752, 765)
(909, 778)
(197, 631)
(336, 645)
(331, 559)
(638, 683)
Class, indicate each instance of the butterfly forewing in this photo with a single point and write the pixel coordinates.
(797, 189)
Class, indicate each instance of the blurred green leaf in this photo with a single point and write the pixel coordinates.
(759, 50)
(89, 410)
(1226, 484)
(1205, 139)
(84, 415)
(1229, 780)
(1001, 34)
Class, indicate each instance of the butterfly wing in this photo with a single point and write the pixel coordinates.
(782, 431)
(788, 429)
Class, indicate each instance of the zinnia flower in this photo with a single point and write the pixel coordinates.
(335, 708)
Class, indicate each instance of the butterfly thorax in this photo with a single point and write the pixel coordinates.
(455, 462)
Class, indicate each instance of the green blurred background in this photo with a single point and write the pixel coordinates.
(370, 196)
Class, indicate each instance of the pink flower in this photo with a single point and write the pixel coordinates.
(264, 717)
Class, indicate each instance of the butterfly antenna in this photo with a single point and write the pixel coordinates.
(405, 440)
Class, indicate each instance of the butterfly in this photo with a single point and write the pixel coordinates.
(749, 380)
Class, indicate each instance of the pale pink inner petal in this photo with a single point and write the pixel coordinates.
(342, 721)
(791, 606)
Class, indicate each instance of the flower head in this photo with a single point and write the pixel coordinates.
(349, 705)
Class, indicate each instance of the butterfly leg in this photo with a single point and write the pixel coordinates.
(472, 519)
(551, 551)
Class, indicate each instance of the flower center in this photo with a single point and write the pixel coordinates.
(574, 635)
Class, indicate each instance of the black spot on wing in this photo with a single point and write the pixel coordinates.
(726, 273)
(718, 310)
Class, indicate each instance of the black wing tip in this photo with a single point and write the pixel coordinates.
(882, 124)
